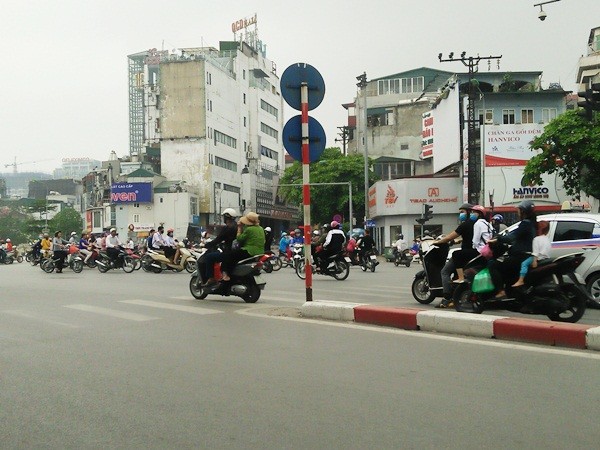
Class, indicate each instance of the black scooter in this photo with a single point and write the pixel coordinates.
(552, 289)
(246, 281)
(427, 284)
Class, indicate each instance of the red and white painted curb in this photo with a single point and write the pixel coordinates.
(451, 322)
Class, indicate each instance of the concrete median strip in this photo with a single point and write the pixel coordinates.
(451, 322)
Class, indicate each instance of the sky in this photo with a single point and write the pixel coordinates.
(64, 69)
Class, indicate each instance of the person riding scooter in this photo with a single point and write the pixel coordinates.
(224, 240)
(334, 244)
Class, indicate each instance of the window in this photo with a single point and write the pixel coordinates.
(508, 116)
(193, 206)
(225, 164)
(136, 218)
(527, 116)
(393, 170)
(400, 85)
(209, 105)
(225, 139)
(244, 74)
(269, 108)
(269, 131)
(403, 146)
(244, 121)
(265, 151)
(488, 119)
(548, 114)
(572, 230)
(208, 78)
(244, 97)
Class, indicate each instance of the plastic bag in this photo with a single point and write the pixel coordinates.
(482, 282)
(486, 251)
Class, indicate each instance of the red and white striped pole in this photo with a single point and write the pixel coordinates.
(306, 189)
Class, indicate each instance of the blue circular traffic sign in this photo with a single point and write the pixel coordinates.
(292, 79)
(292, 138)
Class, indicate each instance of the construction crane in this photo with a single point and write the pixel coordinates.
(15, 163)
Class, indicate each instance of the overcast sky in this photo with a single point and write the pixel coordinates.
(64, 68)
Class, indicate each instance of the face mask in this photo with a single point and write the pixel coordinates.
(462, 217)
(473, 217)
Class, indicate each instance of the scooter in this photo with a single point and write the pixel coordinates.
(402, 257)
(160, 262)
(368, 261)
(427, 284)
(246, 281)
(123, 261)
(552, 289)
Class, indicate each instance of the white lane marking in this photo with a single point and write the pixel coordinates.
(112, 313)
(182, 308)
(28, 315)
(577, 353)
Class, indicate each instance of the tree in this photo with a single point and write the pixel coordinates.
(570, 147)
(332, 167)
(67, 220)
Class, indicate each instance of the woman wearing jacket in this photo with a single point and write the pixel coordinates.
(251, 238)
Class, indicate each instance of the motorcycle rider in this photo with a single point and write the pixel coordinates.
(171, 248)
(465, 231)
(251, 237)
(498, 223)
(58, 247)
(268, 239)
(400, 245)
(334, 243)
(2, 252)
(46, 244)
(505, 273)
(482, 232)
(84, 247)
(225, 240)
(73, 238)
(113, 245)
(284, 243)
(365, 245)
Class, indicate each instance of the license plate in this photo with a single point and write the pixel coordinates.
(347, 259)
(373, 257)
(259, 280)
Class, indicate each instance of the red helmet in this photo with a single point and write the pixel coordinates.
(334, 224)
(170, 230)
(480, 209)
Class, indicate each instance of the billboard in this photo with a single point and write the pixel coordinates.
(508, 145)
(131, 193)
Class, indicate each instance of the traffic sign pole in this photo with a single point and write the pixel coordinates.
(306, 190)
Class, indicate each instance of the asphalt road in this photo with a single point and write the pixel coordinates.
(121, 360)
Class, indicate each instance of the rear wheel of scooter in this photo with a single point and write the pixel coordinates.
(156, 269)
(9, 260)
(252, 295)
(342, 270)
(49, 266)
(103, 268)
(421, 292)
(77, 266)
(197, 291)
(301, 270)
(28, 257)
(146, 263)
(267, 266)
(190, 265)
(570, 295)
(465, 300)
(128, 264)
(19, 259)
(92, 264)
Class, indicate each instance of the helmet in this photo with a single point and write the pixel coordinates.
(297, 231)
(498, 218)
(7, 239)
(113, 229)
(316, 233)
(170, 230)
(73, 233)
(400, 236)
(334, 224)
(526, 206)
(229, 213)
(466, 206)
(479, 209)
(427, 233)
(268, 229)
(283, 233)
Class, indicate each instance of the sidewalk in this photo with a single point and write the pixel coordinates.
(451, 322)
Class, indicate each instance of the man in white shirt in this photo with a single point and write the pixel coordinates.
(113, 244)
(158, 240)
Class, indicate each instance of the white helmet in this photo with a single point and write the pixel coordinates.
(268, 229)
(8, 240)
(73, 233)
(229, 213)
(316, 233)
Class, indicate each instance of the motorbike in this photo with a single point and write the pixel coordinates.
(246, 281)
(338, 267)
(159, 262)
(8, 259)
(272, 264)
(368, 261)
(552, 289)
(402, 257)
(123, 261)
(15, 256)
(427, 284)
(75, 263)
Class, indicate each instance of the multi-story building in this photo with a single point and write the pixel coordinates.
(420, 145)
(75, 168)
(589, 64)
(216, 116)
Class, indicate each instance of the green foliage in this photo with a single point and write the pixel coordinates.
(16, 224)
(332, 167)
(570, 147)
(67, 220)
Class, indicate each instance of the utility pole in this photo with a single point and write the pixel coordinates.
(362, 84)
(343, 134)
(475, 157)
